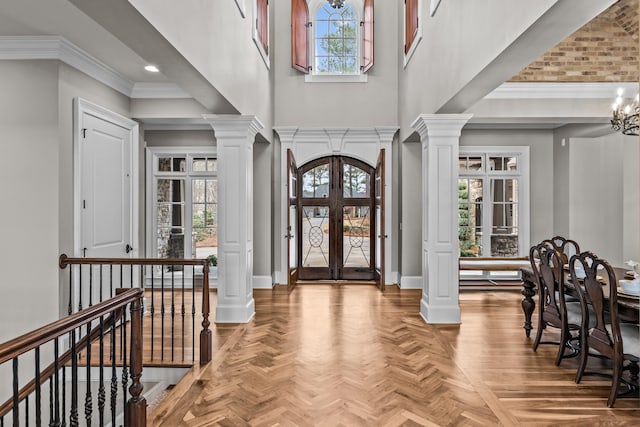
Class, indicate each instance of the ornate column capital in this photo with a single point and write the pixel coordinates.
(443, 125)
(234, 126)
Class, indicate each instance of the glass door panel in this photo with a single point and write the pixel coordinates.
(504, 218)
(170, 204)
(356, 232)
(470, 195)
(315, 236)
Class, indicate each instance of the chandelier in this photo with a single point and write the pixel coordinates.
(625, 116)
(336, 4)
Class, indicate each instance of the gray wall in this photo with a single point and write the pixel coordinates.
(218, 42)
(603, 199)
(374, 103)
(29, 178)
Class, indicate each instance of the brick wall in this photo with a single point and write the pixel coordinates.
(605, 49)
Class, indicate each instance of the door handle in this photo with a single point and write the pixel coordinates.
(289, 236)
(128, 248)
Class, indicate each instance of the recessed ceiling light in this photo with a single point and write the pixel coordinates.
(152, 68)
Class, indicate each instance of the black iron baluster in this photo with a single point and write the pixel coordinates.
(64, 397)
(193, 312)
(114, 377)
(26, 410)
(101, 390)
(88, 398)
(111, 281)
(183, 312)
(173, 308)
(100, 298)
(70, 308)
(121, 285)
(51, 420)
(131, 276)
(38, 388)
(80, 288)
(56, 382)
(153, 307)
(90, 284)
(125, 372)
(162, 315)
(73, 419)
(16, 399)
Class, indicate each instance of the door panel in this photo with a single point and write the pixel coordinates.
(106, 189)
(292, 220)
(380, 231)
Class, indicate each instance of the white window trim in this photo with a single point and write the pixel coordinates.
(524, 203)
(416, 41)
(153, 153)
(314, 76)
(256, 39)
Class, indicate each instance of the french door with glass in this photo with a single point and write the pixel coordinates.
(336, 217)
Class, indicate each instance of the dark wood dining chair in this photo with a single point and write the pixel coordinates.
(553, 309)
(566, 247)
(605, 336)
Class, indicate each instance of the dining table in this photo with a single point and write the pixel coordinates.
(628, 305)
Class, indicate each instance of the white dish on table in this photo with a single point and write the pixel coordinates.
(629, 287)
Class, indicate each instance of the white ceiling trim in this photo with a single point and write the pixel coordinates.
(543, 90)
(57, 47)
(158, 90)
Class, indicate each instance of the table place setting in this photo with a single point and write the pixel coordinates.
(630, 285)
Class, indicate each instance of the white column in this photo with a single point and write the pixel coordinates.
(440, 136)
(235, 136)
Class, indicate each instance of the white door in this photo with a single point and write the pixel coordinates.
(106, 189)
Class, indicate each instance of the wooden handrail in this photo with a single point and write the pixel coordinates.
(206, 340)
(36, 338)
(66, 260)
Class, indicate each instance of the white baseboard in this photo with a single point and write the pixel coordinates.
(262, 282)
(411, 282)
(392, 277)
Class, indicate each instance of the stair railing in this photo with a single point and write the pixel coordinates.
(170, 286)
(59, 383)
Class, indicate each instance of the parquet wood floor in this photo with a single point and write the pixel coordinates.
(329, 355)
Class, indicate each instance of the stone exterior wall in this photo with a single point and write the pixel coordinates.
(604, 50)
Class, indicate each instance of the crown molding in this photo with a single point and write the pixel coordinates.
(545, 90)
(158, 90)
(59, 48)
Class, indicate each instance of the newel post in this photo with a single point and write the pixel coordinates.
(205, 335)
(136, 408)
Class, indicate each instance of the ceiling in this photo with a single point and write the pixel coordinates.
(61, 18)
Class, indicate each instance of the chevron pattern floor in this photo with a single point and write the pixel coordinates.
(348, 355)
